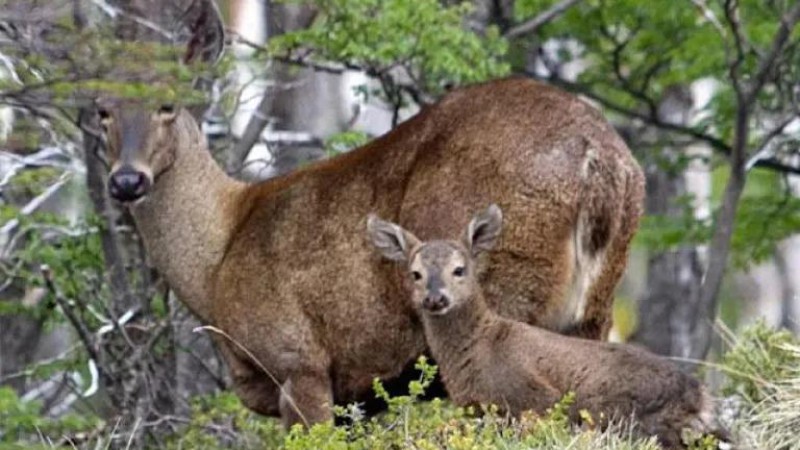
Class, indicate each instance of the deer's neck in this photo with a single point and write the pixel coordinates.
(453, 337)
(186, 222)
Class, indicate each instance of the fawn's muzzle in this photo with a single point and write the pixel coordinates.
(128, 185)
(435, 303)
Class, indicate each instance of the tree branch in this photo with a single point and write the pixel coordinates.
(532, 25)
(788, 22)
(719, 248)
(255, 126)
(732, 17)
(97, 193)
(83, 333)
(714, 142)
(649, 119)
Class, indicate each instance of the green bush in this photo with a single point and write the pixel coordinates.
(760, 360)
(22, 422)
(407, 424)
(763, 369)
(423, 36)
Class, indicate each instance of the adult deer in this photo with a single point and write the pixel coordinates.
(283, 267)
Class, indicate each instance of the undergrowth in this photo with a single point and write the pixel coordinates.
(762, 396)
(763, 382)
(409, 423)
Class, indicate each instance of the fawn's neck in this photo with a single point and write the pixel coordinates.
(186, 222)
(451, 337)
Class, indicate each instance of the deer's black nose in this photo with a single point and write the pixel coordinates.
(435, 302)
(127, 184)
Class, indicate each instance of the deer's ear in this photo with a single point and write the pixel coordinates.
(483, 230)
(391, 239)
(205, 23)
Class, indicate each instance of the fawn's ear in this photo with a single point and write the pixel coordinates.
(391, 239)
(483, 230)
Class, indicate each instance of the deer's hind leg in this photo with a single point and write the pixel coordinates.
(610, 210)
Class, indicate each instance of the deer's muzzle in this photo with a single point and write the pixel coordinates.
(128, 185)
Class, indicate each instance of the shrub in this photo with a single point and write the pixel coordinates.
(407, 424)
(22, 422)
(763, 369)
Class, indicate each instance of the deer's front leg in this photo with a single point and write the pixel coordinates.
(253, 387)
(306, 398)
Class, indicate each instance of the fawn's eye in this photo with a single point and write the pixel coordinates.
(105, 119)
(417, 276)
(458, 272)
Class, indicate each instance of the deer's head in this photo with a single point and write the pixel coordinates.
(442, 271)
(141, 140)
(141, 144)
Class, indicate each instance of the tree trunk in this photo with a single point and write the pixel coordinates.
(666, 313)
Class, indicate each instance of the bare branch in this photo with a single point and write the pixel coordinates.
(719, 248)
(788, 22)
(653, 120)
(734, 65)
(83, 333)
(113, 12)
(764, 151)
(255, 126)
(37, 202)
(532, 25)
(709, 14)
(714, 142)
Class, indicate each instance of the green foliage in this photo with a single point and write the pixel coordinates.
(761, 223)
(759, 360)
(20, 420)
(345, 141)
(638, 50)
(224, 411)
(661, 233)
(767, 214)
(408, 423)
(700, 442)
(628, 35)
(99, 64)
(423, 36)
(631, 59)
(75, 257)
(763, 370)
(30, 183)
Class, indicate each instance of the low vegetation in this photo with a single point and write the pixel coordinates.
(761, 405)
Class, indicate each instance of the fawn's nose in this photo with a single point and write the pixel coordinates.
(436, 302)
(127, 185)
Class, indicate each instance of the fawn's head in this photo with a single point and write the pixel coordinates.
(442, 271)
(140, 137)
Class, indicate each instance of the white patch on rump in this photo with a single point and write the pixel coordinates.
(586, 270)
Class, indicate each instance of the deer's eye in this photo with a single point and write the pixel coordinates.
(166, 109)
(417, 276)
(458, 272)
